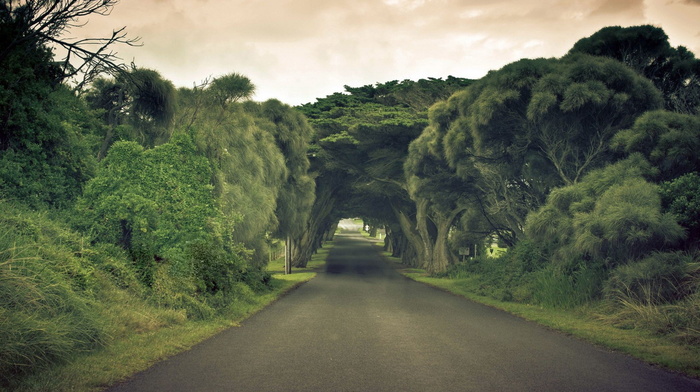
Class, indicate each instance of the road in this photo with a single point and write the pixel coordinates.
(360, 326)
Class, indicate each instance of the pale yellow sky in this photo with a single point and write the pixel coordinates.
(297, 51)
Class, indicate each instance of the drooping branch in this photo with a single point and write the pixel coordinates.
(46, 23)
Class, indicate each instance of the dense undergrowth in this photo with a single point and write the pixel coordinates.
(64, 297)
(660, 294)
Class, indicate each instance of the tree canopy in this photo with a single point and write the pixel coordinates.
(674, 71)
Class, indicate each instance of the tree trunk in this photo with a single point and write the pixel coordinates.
(315, 230)
(442, 256)
(426, 239)
(436, 253)
(112, 120)
(410, 256)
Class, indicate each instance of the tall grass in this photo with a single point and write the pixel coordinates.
(554, 288)
(660, 293)
(61, 297)
(42, 318)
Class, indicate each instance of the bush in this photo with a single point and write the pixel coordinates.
(681, 197)
(657, 279)
(504, 278)
(612, 216)
(150, 202)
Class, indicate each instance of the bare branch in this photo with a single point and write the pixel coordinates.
(45, 22)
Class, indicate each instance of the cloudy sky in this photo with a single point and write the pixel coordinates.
(297, 51)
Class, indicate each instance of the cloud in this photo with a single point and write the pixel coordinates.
(619, 7)
(297, 50)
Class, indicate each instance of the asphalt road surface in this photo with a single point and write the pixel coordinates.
(360, 326)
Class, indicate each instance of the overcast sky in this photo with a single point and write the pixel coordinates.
(300, 50)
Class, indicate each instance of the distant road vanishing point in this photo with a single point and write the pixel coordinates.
(360, 326)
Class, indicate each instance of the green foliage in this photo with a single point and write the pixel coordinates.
(681, 197)
(138, 105)
(661, 277)
(248, 168)
(505, 278)
(152, 97)
(530, 127)
(151, 201)
(417, 95)
(674, 71)
(659, 294)
(292, 134)
(61, 297)
(230, 88)
(45, 134)
(555, 288)
(670, 141)
(612, 216)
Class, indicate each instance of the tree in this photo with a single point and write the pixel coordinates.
(137, 105)
(674, 71)
(153, 203)
(45, 131)
(43, 23)
(441, 196)
(230, 88)
(538, 124)
(361, 143)
(45, 145)
(670, 142)
(248, 167)
(292, 134)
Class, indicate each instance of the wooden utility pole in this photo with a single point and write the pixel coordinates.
(288, 256)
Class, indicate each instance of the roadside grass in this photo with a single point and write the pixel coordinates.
(592, 322)
(276, 267)
(135, 351)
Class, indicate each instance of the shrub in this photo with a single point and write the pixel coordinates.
(612, 216)
(150, 202)
(503, 278)
(662, 277)
(681, 197)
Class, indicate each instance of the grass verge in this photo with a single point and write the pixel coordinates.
(137, 352)
(276, 267)
(587, 322)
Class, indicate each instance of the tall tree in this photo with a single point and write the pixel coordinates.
(230, 88)
(439, 194)
(138, 105)
(292, 134)
(674, 71)
(538, 124)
